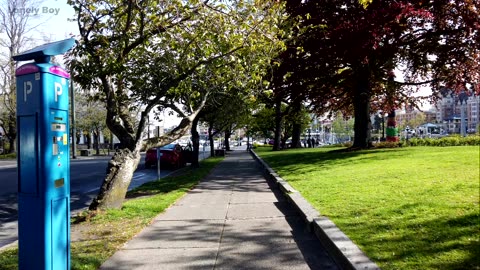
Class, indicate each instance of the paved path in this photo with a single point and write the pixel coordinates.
(231, 220)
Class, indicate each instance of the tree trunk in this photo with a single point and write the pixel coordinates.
(119, 175)
(278, 124)
(89, 140)
(283, 142)
(296, 134)
(96, 142)
(227, 140)
(361, 106)
(12, 135)
(296, 107)
(195, 142)
(210, 140)
(11, 147)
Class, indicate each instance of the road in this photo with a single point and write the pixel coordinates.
(86, 176)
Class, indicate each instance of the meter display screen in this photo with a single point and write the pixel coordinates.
(59, 127)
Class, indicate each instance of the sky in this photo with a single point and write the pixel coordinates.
(51, 16)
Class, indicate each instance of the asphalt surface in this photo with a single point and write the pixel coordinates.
(232, 220)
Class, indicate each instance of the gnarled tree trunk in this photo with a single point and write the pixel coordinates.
(119, 175)
(125, 161)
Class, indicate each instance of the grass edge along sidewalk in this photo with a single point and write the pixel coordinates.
(96, 236)
(346, 254)
(406, 208)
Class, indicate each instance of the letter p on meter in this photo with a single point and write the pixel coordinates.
(58, 90)
(27, 89)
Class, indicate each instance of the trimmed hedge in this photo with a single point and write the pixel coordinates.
(454, 140)
(446, 141)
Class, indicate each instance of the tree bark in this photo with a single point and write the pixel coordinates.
(96, 142)
(296, 134)
(11, 142)
(12, 135)
(228, 133)
(89, 140)
(210, 139)
(195, 142)
(283, 142)
(361, 106)
(278, 124)
(119, 175)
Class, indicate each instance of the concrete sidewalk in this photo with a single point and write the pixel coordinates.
(231, 220)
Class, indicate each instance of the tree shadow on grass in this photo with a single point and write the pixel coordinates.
(430, 244)
(299, 160)
(161, 186)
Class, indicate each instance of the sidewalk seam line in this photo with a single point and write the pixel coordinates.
(223, 230)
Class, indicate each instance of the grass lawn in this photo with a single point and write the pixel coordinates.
(406, 208)
(96, 237)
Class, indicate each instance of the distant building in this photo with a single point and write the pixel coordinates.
(473, 112)
(430, 116)
(449, 111)
(406, 116)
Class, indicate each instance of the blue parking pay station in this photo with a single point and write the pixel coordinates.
(43, 159)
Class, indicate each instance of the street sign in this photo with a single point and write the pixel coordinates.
(43, 159)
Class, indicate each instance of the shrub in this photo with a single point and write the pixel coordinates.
(388, 144)
(8, 156)
(445, 141)
(256, 145)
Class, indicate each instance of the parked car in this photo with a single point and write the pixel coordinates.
(171, 156)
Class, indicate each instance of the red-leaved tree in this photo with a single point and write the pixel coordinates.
(344, 54)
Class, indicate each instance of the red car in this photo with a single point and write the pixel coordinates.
(171, 156)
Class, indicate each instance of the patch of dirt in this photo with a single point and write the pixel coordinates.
(78, 232)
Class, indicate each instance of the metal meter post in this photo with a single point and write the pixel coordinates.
(43, 159)
(159, 156)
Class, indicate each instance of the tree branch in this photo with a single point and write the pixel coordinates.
(410, 83)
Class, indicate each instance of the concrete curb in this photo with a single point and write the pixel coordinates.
(346, 254)
(9, 246)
